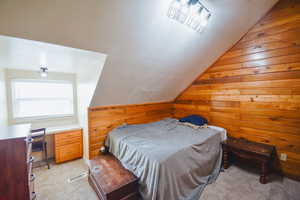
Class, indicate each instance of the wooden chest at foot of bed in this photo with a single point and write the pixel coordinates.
(110, 180)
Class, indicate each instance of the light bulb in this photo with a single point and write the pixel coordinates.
(195, 9)
(184, 2)
(190, 13)
(204, 14)
(43, 74)
(174, 9)
(183, 14)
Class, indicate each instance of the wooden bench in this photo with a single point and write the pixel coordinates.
(111, 181)
(257, 152)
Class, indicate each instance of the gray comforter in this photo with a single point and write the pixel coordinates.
(173, 161)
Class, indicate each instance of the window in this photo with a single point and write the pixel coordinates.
(39, 99)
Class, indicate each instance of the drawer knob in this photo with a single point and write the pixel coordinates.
(33, 196)
(29, 140)
(31, 159)
(32, 177)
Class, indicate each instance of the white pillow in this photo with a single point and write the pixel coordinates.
(193, 125)
(222, 130)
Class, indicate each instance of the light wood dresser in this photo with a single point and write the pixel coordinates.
(68, 145)
(16, 177)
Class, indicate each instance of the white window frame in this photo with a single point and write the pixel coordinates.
(13, 104)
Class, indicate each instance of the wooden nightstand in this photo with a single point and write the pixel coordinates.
(261, 153)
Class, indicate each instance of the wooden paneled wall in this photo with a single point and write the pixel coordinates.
(104, 118)
(253, 90)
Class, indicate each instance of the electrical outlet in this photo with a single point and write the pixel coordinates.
(283, 156)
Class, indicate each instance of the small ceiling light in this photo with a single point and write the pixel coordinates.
(44, 72)
(189, 12)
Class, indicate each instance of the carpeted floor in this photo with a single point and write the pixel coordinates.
(236, 183)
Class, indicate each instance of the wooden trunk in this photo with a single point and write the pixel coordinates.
(111, 181)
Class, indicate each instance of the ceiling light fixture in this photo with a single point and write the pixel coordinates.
(43, 72)
(189, 12)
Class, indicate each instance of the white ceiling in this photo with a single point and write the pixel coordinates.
(150, 57)
(16, 53)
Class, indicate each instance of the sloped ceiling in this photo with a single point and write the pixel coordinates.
(16, 53)
(150, 57)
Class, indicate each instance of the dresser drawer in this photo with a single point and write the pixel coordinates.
(28, 144)
(29, 149)
(68, 152)
(29, 170)
(31, 182)
(65, 138)
(32, 195)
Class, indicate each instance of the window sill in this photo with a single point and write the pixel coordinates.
(36, 119)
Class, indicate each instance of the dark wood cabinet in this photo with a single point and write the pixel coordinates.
(16, 177)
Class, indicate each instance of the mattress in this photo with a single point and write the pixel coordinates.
(171, 160)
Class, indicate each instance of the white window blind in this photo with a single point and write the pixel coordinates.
(31, 98)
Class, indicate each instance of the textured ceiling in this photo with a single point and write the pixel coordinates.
(150, 57)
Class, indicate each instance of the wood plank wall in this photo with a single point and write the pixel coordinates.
(253, 90)
(103, 119)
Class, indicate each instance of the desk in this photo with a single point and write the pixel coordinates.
(59, 129)
(68, 145)
(64, 142)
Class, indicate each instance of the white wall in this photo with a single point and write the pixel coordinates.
(40, 123)
(23, 57)
(87, 79)
(3, 102)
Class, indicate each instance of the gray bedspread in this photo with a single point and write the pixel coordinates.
(173, 161)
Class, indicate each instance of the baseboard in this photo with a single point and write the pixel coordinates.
(292, 176)
(86, 161)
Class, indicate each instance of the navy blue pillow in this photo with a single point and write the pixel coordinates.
(194, 119)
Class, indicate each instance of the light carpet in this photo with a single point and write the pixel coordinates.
(236, 183)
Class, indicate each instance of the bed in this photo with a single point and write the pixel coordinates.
(173, 161)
